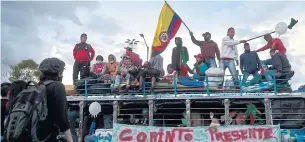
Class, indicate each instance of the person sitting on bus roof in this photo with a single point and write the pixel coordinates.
(171, 73)
(135, 58)
(99, 68)
(185, 80)
(281, 65)
(126, 73)
(152, 69)
(113, 66)
(199, 67)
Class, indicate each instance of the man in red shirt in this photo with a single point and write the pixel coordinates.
(83, 54)
(273, 43)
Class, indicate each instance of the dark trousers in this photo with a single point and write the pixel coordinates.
(81, 67)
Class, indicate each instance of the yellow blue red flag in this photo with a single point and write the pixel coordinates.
(168, 25)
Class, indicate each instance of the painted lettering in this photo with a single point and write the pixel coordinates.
(260, 132)
(227, 136)
(188, 136)
(123, 133)
(242, 134)
(141, 137)
(170, 135)
(160, 135)
(252, 133)
(153, 136)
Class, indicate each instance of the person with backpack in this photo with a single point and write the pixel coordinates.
(40, 110)
(15, 89)
(83, 54)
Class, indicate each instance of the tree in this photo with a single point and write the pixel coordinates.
(26, 70)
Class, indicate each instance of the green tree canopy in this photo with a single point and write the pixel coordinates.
(26, 70)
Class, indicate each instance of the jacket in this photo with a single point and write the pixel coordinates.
(229, 48)
(83, 52)
(250, 62)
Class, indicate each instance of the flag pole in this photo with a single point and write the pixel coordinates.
(178, 15)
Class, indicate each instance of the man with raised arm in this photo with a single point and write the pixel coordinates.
(272, 43)
(209, 49)
(229, 53)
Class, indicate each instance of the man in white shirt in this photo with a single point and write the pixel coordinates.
(229, 53)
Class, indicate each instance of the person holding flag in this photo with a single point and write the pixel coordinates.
(168, 25)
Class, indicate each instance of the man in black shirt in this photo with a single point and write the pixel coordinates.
(52, 69)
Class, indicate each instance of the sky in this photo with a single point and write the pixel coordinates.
(38, 30)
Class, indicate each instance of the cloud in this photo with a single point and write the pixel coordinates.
(49, 29)
(45, 29)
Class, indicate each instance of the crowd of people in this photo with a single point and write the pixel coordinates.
(132, 70)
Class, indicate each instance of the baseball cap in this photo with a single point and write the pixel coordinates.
(199, 56)
(206, 33)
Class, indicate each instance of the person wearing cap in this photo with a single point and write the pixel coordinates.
(199, 68)
(83, 54)
(52, 69)
(209, 49)
(180, 55)
(125, 74)
(135, 58)
(249, 63)
(229, 54)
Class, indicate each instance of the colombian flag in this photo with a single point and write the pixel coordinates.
(168, 25)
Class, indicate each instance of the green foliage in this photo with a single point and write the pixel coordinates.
(26, 70)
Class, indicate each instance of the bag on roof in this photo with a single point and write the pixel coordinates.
(28, 109)
(215, 77)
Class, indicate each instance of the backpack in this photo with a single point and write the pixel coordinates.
(28, 109)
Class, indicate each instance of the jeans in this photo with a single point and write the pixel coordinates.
(224, 64)
(122, 78)
(268, 75)
(211, 62)
(246, 75)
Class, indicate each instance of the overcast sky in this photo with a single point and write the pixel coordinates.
(38, 30)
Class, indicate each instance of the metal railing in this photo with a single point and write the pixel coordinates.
(95, 87)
